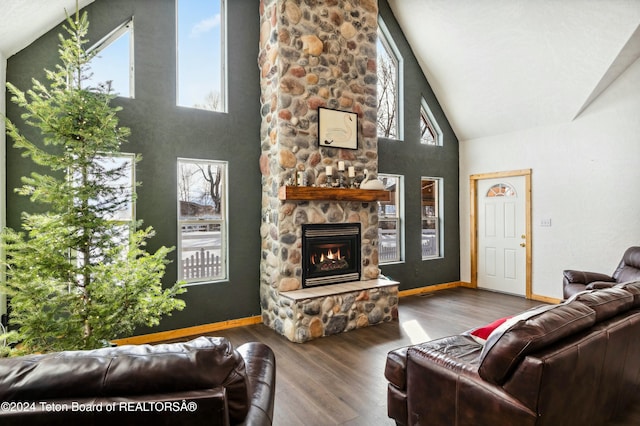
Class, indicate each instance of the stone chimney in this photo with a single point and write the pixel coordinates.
(314, 53)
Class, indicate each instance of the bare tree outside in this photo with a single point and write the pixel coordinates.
(184, 184)
(213, 177)
(199, 183)
(212, 102)
(387, 93)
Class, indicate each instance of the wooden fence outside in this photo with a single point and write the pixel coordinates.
(201, 264)
(390, 253)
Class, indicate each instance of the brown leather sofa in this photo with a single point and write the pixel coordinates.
(628, 270)
(575, 363)
(204, 381)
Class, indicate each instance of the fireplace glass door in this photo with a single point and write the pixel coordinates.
(330, 253)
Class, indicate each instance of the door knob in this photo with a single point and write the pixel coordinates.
(523, 244)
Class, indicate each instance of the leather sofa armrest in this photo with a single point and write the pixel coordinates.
(442, 387)
(260, 363)
(456, 351)
(584, 277)
(395, 369)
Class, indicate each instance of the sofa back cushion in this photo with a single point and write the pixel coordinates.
(203, 363)
(606, 302)
(629, 267)
(633, 288)
(528, 332)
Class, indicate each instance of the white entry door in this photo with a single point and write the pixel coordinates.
(501, 234)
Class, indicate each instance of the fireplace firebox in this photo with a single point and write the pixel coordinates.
(330, 253)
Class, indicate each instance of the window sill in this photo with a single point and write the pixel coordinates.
(432, 258)
(204, 282)
(395, 262)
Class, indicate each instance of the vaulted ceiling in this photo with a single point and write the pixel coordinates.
(496, 66)
(499, 66)
(23, 21)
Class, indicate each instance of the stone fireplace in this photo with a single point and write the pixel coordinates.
(318, 53)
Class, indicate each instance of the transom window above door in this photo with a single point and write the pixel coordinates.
(501, 190)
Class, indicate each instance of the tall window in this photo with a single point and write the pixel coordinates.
(430, 133)
(201, 54)
(121, 168)
(202, 220)
(112, 66)
(389, 72)
(431, 189)
(118, 201)
(390, 220)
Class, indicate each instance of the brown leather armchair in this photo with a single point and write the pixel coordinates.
(628, 270)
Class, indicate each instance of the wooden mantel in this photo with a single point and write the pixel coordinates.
(311, 193)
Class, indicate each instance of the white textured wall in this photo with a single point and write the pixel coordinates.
(585, 178)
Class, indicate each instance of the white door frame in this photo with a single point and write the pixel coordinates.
(473, 185)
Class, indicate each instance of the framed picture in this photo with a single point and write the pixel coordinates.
(337, 129)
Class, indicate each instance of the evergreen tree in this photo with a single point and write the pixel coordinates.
(77, 278)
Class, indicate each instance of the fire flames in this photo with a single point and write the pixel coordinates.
(329, 260)
(330, 256)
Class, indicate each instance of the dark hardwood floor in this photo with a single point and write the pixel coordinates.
(339, 380)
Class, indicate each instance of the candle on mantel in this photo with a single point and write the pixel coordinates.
(352, 171)
(341, 166)
(329, 170)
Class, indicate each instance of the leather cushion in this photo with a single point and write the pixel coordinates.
(456, 353)
(203, 363)
(633, 288)
(606, 302)
(528, 332)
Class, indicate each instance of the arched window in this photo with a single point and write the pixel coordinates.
(430, 133)
(501, 190)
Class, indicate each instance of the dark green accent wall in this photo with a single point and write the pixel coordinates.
(162, 132)
(412, 159)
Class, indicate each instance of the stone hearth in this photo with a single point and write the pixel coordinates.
(319, 53)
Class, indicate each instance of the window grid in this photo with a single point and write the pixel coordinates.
(431, 234)
(390, 221)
